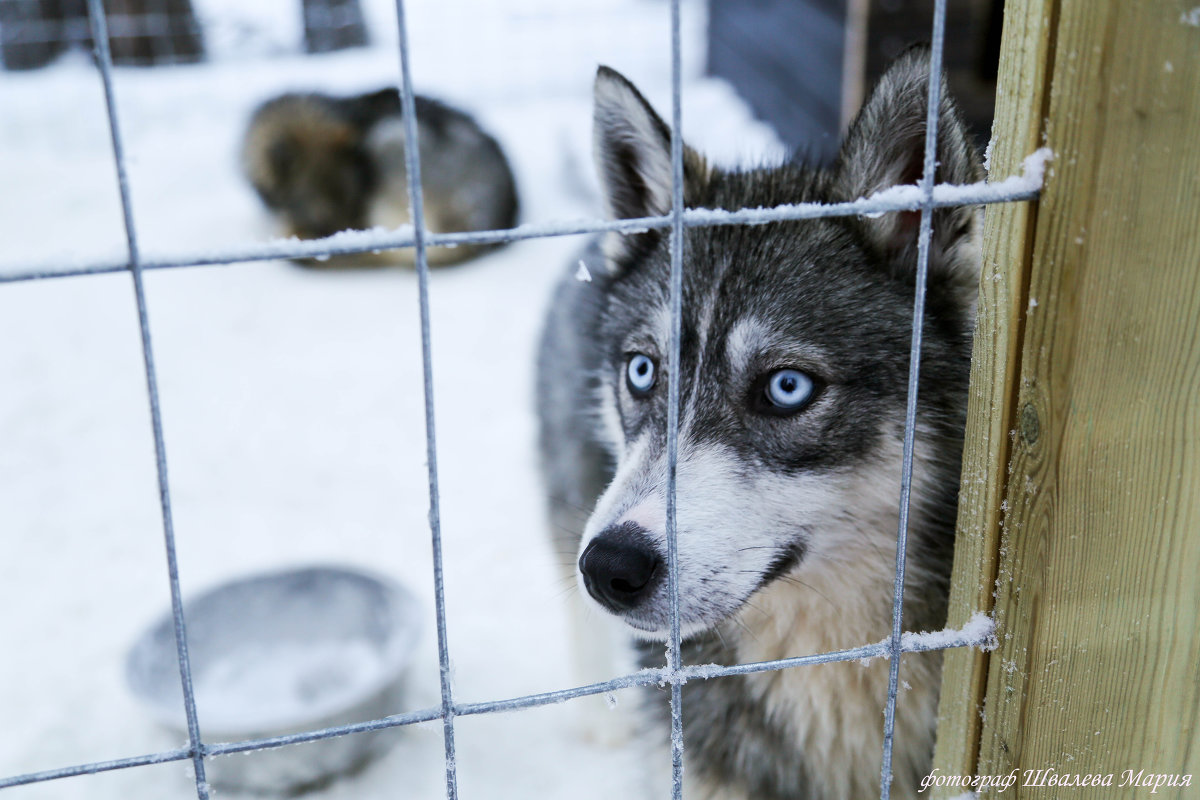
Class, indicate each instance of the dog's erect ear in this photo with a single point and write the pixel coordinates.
(885, 147)
(632, 148)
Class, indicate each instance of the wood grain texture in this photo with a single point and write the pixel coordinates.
(1008, 230)
(1098, 602)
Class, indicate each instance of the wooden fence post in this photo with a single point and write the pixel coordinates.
(1080, 506)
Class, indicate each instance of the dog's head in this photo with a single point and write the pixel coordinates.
(310, 163)
(793, 364)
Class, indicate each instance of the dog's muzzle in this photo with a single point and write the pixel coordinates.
(621, 568)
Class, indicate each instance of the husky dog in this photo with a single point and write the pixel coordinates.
(326, 164)
(793, 365)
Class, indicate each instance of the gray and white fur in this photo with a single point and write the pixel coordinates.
(325, 164)
(794, 363)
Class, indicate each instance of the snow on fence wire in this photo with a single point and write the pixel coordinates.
(923, 197)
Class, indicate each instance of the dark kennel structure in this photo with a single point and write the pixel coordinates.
(149, 32)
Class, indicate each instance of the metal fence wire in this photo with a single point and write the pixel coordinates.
(674, 674)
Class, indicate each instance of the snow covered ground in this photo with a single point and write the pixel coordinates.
(292, 399)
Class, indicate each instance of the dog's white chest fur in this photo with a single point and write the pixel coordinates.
(834, 713)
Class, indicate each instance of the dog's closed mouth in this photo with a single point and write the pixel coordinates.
(789, 557)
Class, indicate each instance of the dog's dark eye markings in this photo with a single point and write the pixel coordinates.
(641, 374)
(783, 392)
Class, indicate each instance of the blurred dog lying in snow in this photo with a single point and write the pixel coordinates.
(325, 164)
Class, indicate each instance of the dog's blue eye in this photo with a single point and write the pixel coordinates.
(640, 373)
(789, 389)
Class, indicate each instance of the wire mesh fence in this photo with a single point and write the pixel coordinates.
(925, 197)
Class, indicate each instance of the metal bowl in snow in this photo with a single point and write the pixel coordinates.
(281, 653)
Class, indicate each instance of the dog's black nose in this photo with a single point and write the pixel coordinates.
(620, 567)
